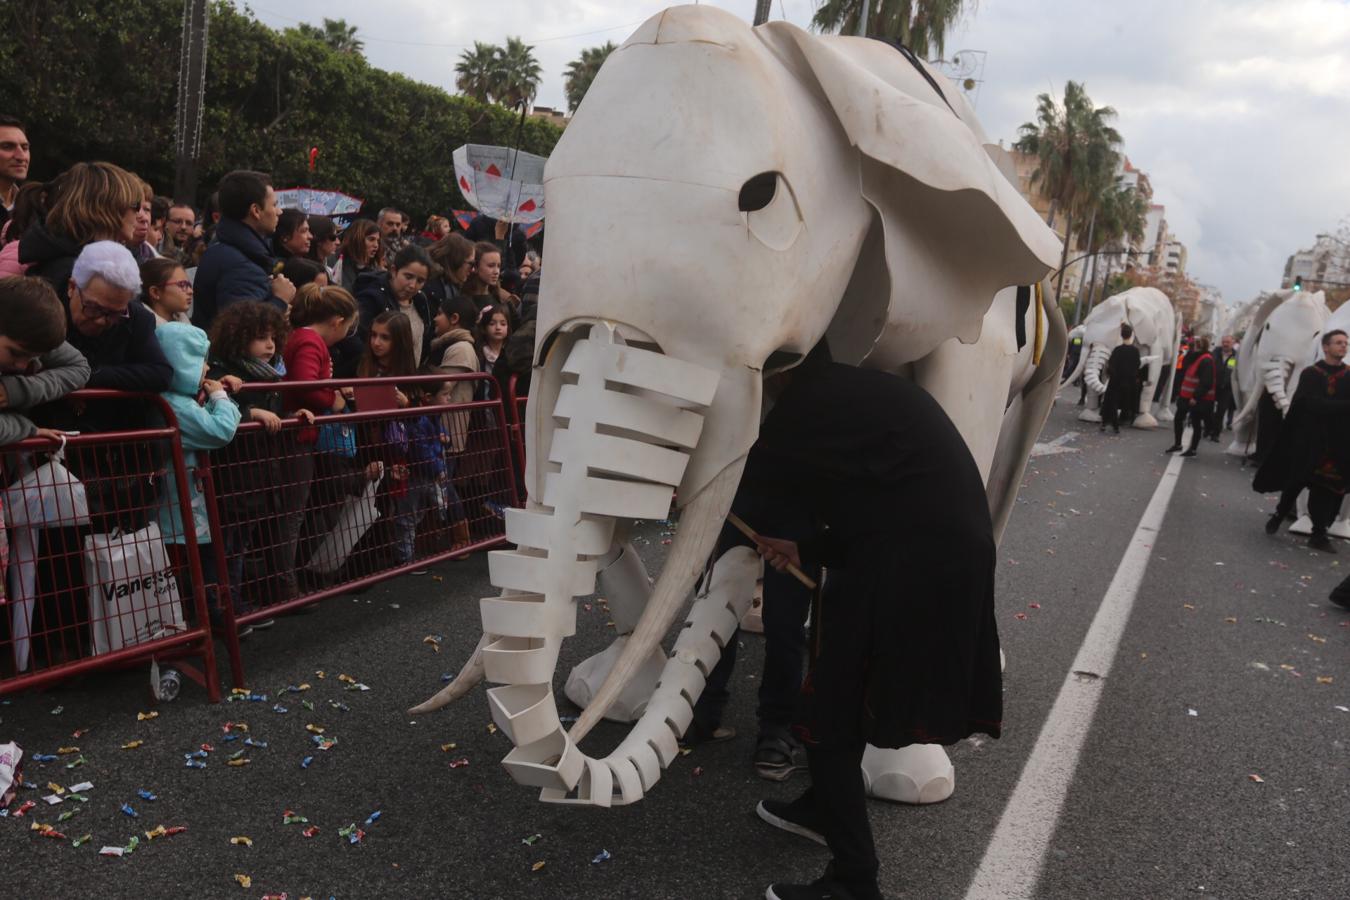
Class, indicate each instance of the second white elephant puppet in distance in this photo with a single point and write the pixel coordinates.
(1148, 311)
(723, 199)
(1284, 339)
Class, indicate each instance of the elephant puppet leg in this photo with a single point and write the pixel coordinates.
(624, 584)
(919, 773)
(1304, 523)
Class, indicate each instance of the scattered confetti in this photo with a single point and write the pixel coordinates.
(146, 795)
(244, 881)
(280, 709)
(290, 818)
(145, 716)
(459, 763)
(1325, 679)
(1257, 778)
(537, 866)
(314, 729)
(600, 857)
(58, 710)
(82, 839)
(242, 841)
(66, 751)
(530, 841)
(132, 745)
(128, 811)
(698, 770)
(111, 851)
(1231, 620)
(491, 729)
(373, 818)
(1316, 639)
(238, 762)
(310, 831)
(434, 640)
(446, 748)
(304, 763)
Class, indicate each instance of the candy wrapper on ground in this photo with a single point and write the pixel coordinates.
(11, 769)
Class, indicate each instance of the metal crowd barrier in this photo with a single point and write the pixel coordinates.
(92, 579)
(515, 410)
(294, 516)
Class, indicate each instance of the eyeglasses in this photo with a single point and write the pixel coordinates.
(94, 310)
(183, 285)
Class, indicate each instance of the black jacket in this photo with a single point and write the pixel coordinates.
(439, 290)
(1224, 373)
(51, 256)
(126, 357)
(373, 296)
(1315, 431)
(237, 266)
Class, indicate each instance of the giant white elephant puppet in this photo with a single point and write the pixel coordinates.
(1149, 312)
(1276, 348)
(726, 197)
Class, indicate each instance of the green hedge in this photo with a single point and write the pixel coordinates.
(94, 79)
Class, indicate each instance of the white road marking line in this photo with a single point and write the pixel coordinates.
(1013, 860)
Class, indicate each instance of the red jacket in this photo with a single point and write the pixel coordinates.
(307, 359)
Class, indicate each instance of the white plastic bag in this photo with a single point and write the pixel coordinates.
(45, 497)
(133, 594)
(357, 516)
(11, 756)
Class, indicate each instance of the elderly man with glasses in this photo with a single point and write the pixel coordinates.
(106, 323)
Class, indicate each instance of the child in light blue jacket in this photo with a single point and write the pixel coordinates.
(201, 427)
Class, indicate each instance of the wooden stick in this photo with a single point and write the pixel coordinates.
(750, 533)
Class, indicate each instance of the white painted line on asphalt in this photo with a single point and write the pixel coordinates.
(1012, 862)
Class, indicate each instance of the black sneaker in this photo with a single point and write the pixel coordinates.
(1274, 522)
(1189, 453)
(1173, 449)
(798, 817)
(775, 758)
(1340, 595)
(816, 890)
(1320, 541)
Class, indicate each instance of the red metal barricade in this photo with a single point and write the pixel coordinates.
(311, 511)
(94, 578)
(515, 411)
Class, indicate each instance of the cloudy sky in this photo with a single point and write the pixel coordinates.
(1239, 110)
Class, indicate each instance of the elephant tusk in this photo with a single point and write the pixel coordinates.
(467, 679)
(700, 526)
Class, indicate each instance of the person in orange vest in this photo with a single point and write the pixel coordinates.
(1195, 400)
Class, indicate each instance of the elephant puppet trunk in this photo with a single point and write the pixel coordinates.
(1275, 374)
(700, 525)
(465, 681)
(1097, 358)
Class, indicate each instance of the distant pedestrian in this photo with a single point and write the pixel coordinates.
(1225, 360)
(1122, 382)
(1312, 449)
(1195, 398)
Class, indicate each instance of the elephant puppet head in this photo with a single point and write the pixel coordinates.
(1287, 330)
(724, 197)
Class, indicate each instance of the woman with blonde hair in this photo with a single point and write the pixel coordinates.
(98, 201)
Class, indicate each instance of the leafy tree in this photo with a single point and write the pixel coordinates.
(920, 25)
(518, 74)
(336, 33)
(582, 71)
(1077, 151)
(93, 80)
(476, 73)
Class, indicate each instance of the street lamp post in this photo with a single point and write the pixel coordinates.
(191, 99)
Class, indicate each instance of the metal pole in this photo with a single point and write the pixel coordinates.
(191, 99)
(1078, 302)
(762, 11)
(862, 20)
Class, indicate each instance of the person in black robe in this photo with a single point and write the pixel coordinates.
(1121, 400)
(1312, 449)
(907, 648)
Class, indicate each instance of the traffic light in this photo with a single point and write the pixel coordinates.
(1298, 283)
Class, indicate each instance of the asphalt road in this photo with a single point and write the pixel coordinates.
(1161, 803)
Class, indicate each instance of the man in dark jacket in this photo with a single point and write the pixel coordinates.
(239, 264)
(1313, 446)
(1121, 399)
(1195, 397)
(1225, 362)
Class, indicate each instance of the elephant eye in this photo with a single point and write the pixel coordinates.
(758, 192)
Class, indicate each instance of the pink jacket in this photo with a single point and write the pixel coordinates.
(9, 260)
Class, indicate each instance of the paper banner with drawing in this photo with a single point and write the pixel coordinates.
(501, 182)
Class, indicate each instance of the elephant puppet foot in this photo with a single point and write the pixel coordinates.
(1145, 421)
(1089, 415)
(587, 676)
(1302, 526)
(1167, 415)
(1002, 661)
(1340, 529)
(1237, 449)
(917, 774)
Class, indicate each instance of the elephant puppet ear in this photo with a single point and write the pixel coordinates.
(955, 231)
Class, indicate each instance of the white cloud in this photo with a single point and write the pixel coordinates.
(1239, 110)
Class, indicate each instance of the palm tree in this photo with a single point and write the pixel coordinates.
(336, 33)
(582, 71)
(1119, 219)
(1077, 151)
(476, 72)
(518, 74)
(920, 25)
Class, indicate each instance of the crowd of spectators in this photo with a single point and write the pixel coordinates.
(105, 284)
